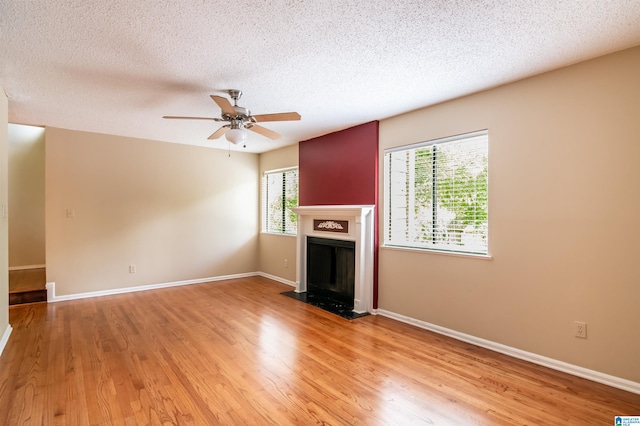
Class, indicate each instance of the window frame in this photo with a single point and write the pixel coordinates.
(264, 204)
(387, 215)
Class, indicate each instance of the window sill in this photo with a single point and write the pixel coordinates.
(438, 252)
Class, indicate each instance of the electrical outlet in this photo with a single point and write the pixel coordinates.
(580, 329)
(286, 263)
(132, 269)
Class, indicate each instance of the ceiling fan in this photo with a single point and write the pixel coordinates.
(239, 119)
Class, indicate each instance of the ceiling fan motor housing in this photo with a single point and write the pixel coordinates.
(242, 111)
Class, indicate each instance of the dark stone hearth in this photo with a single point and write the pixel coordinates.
(330, 305)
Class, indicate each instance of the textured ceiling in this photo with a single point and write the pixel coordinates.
(118, 66)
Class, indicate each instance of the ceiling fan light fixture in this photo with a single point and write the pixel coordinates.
(236, 136)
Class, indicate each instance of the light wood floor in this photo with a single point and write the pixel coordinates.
(239, 353)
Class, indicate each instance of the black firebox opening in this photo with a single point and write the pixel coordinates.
(330, 268)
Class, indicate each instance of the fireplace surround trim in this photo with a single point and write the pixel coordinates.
(360, 229)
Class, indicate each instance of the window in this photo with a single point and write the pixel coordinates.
(436, 194)
(279, 196)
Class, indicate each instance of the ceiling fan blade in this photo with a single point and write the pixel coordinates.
(264, 131)
(282, 116)
(221, 131)
(175, 117)
(224, 105)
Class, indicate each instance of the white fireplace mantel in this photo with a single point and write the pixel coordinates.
(360, 229)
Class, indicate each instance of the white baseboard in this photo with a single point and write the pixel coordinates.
(274, 278)
(20, 268)
(5, 338)
(52, 297)
(51, 291)
(575, 370)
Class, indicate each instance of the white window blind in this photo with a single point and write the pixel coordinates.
(279, 196)
(436, 194)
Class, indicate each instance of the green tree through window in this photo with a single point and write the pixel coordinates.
(279, 196)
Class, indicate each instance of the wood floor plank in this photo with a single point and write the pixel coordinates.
(237, 352)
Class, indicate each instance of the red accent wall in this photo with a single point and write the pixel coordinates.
(341, 168)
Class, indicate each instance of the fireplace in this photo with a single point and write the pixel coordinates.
(342, 236)
(330, 268)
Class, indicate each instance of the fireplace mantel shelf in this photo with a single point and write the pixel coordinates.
(355, 210)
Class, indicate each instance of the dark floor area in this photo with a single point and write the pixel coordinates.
(326, 303)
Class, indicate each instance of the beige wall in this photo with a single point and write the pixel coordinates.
(26, 195)
(274, 249)
(177, 212)
(4, 226)
(564, 158)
